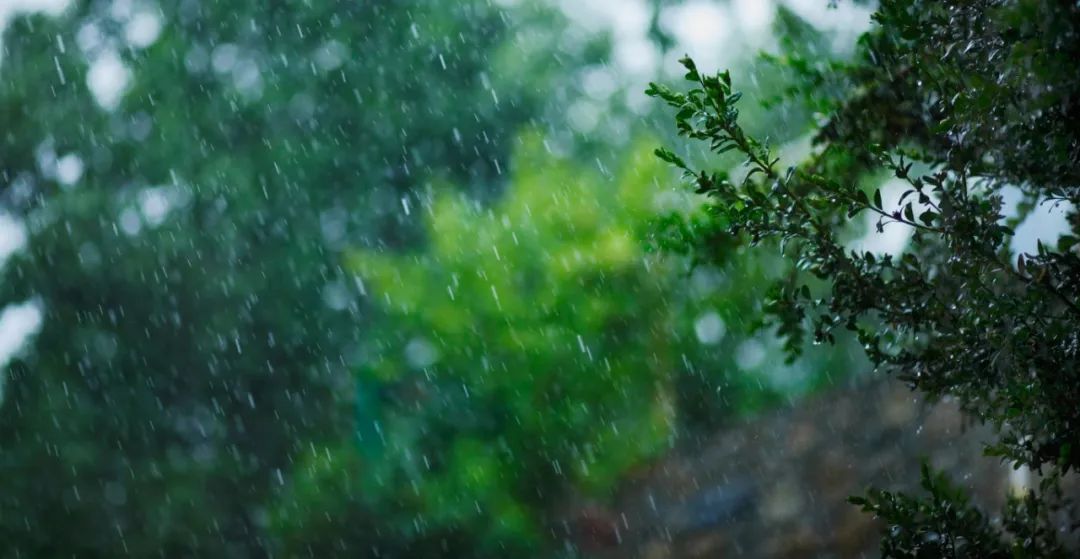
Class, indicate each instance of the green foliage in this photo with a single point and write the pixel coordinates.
(282, 312)
(533, 351)
(942, 525)
(198, 324)
(945, 524)
(958, 100)
(521, 309)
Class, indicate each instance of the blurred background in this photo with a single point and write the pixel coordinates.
(382, 279)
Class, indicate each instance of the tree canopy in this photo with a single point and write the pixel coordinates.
(185, 241)
(961, 101)
(339, 278)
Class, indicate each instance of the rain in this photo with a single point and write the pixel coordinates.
(538, 278)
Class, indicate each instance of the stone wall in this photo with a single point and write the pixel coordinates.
(776, 486)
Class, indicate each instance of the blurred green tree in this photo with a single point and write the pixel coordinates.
(539, 353)
(185, 233)
(210, 378)
(514, 367)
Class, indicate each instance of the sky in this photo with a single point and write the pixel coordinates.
(11, 7)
